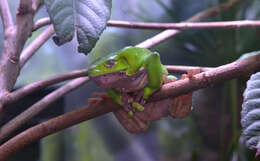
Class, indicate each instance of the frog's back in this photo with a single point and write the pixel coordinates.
(135, 56)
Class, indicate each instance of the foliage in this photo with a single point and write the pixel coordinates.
(87, 18)
(251, 112)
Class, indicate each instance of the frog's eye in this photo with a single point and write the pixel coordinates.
(110, 63)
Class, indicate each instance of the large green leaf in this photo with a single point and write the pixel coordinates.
(86, 18)
(250, 114)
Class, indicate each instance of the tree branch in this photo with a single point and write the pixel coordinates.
(51, 126)
(26, 90)
(198, 17)
(35, 45)
(14, 42)
(244, 67)
(5, 15)
(37, 4)
(39, 106)
(161, 26)
(223, 73)
(179, 69)
(185, 25)
(41, 23)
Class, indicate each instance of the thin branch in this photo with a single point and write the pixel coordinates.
(36, 5)
(198, 17)
(179, 69)
(39, 106)
(5, 14)
(161, 26)
(223, 73)
(26, 90)
(185, 25)
(244, 67)
(35, 45)
(41, 23)
(51, 126)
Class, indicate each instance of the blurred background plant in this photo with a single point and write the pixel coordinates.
(212, 131)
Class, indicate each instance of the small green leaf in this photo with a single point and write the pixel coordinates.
(86, 18)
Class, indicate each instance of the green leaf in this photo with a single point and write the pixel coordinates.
(86, 18)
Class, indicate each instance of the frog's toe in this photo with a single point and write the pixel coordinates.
(94, 100)
(130, 114)
(97, 97)
(137, 106)
(100, 95)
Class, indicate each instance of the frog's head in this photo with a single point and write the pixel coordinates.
(109, 64)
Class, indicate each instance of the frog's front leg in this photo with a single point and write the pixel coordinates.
(154, 71)
(125, 100)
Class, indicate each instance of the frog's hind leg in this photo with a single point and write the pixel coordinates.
(97, 97)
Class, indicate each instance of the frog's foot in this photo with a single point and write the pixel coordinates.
(127, 103)
(180, 106)
(132, 124)
(131, 104)
(190, 73)
(139, 98)
(101, 95)
(97, 97)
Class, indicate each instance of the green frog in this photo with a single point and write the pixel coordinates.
(130, 76)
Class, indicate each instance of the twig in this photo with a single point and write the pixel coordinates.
(160, 26)
(36, 5)
(216, 75)
(39, 106)
(198, 17)
(179, 69)
(5, 14)
(41, 22)
(35, 45)
(26, 90)
(185, 25)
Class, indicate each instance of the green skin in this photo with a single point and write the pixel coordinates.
(129, 61)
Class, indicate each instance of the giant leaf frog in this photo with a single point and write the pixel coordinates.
(130, 76)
